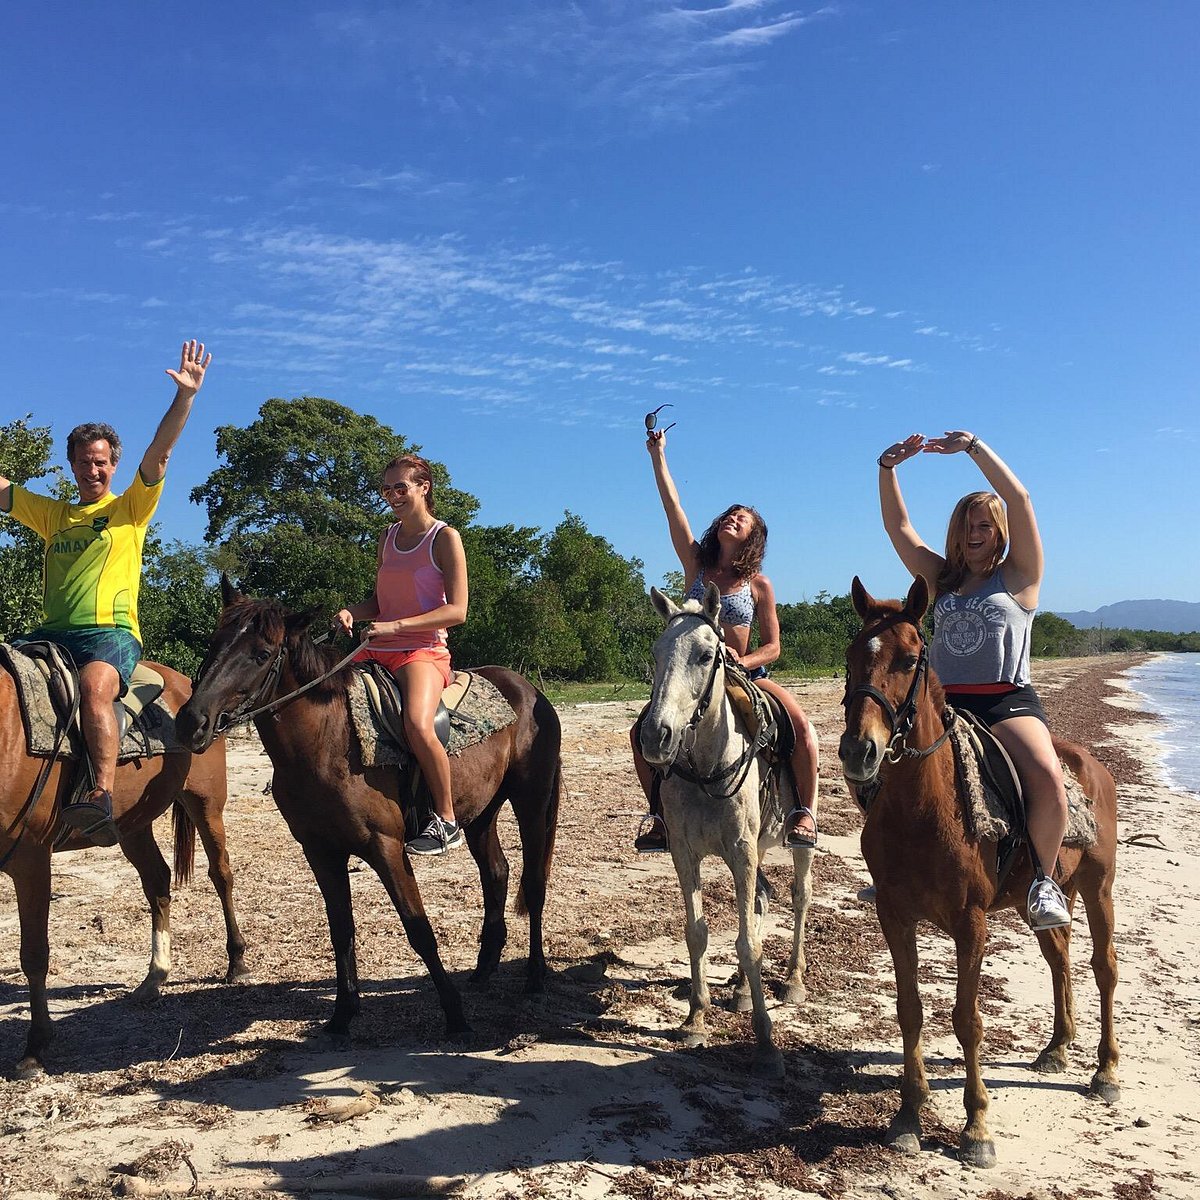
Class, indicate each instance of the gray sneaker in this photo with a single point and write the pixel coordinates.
(1047, 906)
(437, 837)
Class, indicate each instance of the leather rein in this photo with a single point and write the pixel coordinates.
(735, 773)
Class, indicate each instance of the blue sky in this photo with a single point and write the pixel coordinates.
(509, 229)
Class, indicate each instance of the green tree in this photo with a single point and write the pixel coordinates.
(499, 570)
(178, 604)
(24, 456)
(1055, 637)
(295, 501)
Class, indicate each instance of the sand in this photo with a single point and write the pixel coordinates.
(585, 1093)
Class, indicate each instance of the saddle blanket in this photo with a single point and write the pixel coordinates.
(149, 735)
(481, 711)
(987, 814)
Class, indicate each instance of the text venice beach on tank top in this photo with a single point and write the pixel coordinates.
(982, 637)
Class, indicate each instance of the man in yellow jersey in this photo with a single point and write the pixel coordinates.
(91, 574)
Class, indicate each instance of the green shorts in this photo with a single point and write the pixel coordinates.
(117, 647)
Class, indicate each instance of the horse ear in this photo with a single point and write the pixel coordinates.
(298, 622)
(228, 592)
(918, 600)
(712, 602)
(663, 605)
(862, 600)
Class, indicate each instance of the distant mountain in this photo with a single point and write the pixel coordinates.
(1167, 616)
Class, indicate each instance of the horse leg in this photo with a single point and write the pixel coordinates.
(142, 851)
(687, 868)
(904, 1133)
(537, 822)
(975, 1145)
(743, 1001)
(329, 867)
(1055, 945)
(768, 1061)
(1099, 905)
(386, 855)
(493, 876)
(794, 989)
(30, 871)
(209, 819)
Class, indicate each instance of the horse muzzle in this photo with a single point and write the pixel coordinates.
(861, 758)
(660, 743)
(195, 729)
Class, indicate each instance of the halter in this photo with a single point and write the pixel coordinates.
(254, 706)
(901, 720)
(735, 773)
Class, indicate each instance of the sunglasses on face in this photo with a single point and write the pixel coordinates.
(652, 419)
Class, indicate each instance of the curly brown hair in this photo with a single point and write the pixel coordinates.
(750, 558)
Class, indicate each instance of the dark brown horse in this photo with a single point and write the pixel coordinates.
(926, 869)
(144, 791)
(335, 807)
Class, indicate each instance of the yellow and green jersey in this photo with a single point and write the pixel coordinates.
(93, 562)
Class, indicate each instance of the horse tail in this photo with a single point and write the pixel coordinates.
(185, 844)
(552, 807)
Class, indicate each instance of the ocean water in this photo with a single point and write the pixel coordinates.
(1170, 685)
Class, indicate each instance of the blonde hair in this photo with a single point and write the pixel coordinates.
(956, 570)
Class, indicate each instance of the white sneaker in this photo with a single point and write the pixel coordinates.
(1047, 906)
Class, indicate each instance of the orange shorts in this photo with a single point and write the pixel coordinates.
(394, 659)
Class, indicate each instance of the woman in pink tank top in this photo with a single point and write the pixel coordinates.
(420, 592)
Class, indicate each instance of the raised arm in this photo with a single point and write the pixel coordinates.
(909, 545)
(192, 364)
(1024, 563)
(687, 549)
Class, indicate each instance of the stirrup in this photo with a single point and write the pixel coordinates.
(795, 839)
(652, 836)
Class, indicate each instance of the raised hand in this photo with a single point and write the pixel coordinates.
(950, 443)
(192, 364)
(898, 452)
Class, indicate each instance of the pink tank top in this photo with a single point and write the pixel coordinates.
(409, 583)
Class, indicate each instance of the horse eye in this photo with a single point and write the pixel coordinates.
(909, 662)
(262, 656)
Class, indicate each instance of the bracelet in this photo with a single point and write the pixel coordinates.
(884, 465)
(973, 444)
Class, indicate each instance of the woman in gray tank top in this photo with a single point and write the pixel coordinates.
(986, 588)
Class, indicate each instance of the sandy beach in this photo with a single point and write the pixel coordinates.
(585, 1093)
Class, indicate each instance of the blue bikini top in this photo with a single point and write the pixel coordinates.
(737, 609)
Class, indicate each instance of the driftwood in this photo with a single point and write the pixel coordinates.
(375, 1186)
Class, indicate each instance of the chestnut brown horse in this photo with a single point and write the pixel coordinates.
(144, 790)
(926, 869)
(336, 807)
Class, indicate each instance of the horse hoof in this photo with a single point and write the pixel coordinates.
(459, 1033)
(1051, 1062)
(28, 1068)
(692, 1040)
(905, 1143)
(743, 1002)
(239, 974)
(768, 1064)
(1107, 1090)
(794, 993)
(977, 1152)
(479, 981)
(146, 992)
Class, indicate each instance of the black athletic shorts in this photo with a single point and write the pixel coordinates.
(993, 707)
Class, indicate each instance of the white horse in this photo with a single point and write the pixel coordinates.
(711, 803)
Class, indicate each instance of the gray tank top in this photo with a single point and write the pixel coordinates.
(983, 637)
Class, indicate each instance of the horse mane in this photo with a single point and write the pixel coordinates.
(277, 625)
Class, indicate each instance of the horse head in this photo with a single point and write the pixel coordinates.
(885, 664)
(689, 656)
(241, 667)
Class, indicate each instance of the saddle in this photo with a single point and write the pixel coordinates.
(766, 723)
(387, 704)
(993, 799)
(47, 684)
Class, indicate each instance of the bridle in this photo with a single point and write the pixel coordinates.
(254, 706)
(901, 720)
(735, 773)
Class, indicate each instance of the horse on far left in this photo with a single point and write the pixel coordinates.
(193, 787)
